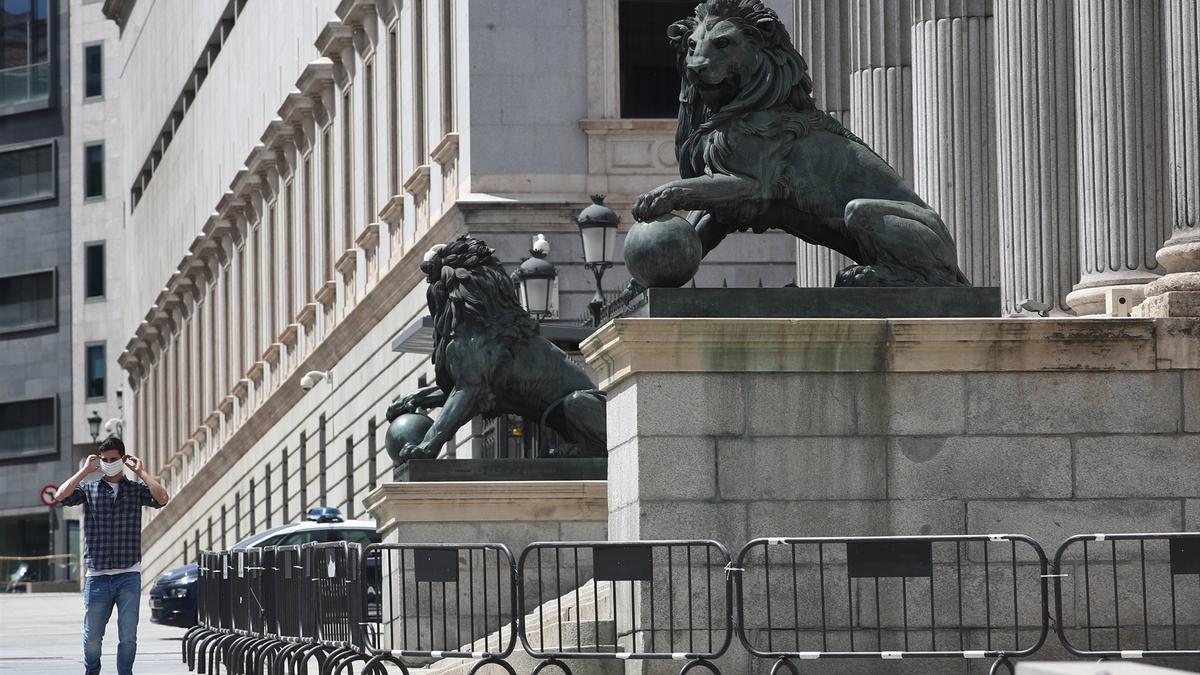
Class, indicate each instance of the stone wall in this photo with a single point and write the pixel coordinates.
(738, 429)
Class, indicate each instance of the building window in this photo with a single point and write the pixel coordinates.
(28, 301)
(369, 144)
(327, 204)
(28, 428)
(418, 56)
(24, 55)
(648, 79)
(93, 170)
(93, 270)
(447, 38)
(26, 174)
(94, 365)
(347, 173)
(394, 110)
(93, 71)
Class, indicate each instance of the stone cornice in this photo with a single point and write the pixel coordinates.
(327, 293)
(345, 264)
(393, 211)
(389, 12)
(624, 347)
(418, 181)
(392, 504)
(368, 239)
(118, 11)
(336, 42)
(360, 15)
(446, 149)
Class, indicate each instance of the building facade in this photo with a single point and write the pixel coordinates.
(37, 278)
(286, 165)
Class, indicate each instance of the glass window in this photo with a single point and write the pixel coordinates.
(27, 301)
(363, 537)
(24, 54)
(93, 170)
(93, 71)
(28, 428)
(93, 271)
(649, 80)
(94, 363)
(27, 174)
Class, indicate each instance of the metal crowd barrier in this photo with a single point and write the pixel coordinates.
(277, 609)
(1132, 587)
(679, 589)
(443, 601)
(972, 596)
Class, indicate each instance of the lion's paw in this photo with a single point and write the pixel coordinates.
(858, 275)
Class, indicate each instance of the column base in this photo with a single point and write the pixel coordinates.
(1180, 255)
(1089, 297)
(1175, 295)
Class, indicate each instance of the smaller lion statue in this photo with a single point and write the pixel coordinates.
(755, 153)
(489, 358)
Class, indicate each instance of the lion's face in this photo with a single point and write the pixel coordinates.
(720, 57)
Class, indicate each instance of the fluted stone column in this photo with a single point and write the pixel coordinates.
(822, 35)
(954, 160)
(881, 79)
(1035, 148)
(1178, 293)
(1123, 206)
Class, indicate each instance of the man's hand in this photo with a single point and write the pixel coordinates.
(91, 464)
(135, 465)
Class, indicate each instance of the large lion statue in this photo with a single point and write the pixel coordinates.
(489, 358)
(755, 153)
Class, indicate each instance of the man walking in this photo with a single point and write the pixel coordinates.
(112, 546)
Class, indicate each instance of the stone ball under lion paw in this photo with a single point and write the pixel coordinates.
(664, 252)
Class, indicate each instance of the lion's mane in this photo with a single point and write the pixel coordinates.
(781, 82)
(468, 283)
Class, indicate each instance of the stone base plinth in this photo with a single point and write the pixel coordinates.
(800, 303)
(733, 429)
(500, 470)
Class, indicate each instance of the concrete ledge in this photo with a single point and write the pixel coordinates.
(1104, 668)
(488, 501)
(623, 347)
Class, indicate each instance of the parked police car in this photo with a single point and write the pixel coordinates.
(173, 596)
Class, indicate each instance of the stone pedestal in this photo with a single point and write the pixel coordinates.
(954, 145)
(1123, 217)
(1035, 144)
(733, 429)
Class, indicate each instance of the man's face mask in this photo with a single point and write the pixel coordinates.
(112, 468)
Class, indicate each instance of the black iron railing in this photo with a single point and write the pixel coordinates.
(631, 600)
(278, 609)
(1139, 595)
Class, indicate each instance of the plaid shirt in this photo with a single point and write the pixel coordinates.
(112, 527)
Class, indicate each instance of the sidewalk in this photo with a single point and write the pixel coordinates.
(42, 633)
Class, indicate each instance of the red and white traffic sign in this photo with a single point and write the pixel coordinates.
(47, 494)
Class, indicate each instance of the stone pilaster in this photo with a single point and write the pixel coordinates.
(1035, 146)
(1178, 293)
(1122, 211)
(823, 36)
(954, 154)
(881, 79)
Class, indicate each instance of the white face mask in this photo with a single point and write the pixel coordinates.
(112, 468)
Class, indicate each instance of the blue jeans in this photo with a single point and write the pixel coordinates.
(100, 594)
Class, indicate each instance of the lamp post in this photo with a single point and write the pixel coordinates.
(535, 279)
(94, 425)
(598, 230)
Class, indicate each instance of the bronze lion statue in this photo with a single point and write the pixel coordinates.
(756, 153)
(489, 358)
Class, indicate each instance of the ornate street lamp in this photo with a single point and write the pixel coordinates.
(598, 230)
(535, 280)
(94, 425)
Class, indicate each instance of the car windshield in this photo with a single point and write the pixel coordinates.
(321, 535)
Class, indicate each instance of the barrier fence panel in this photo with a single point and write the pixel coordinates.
(1129, 595)
(443, 600)
(628, 600)
(289, 590)
(971, 596)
